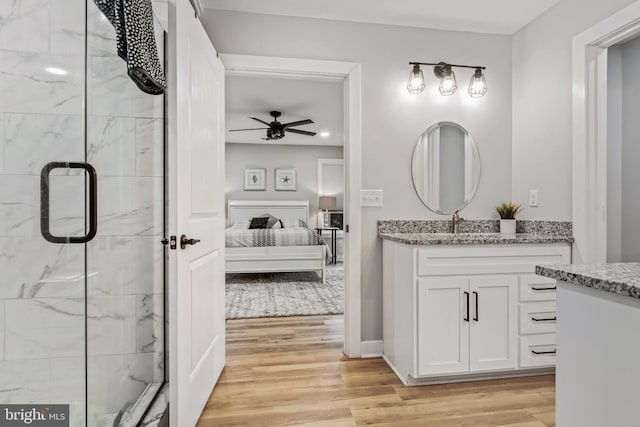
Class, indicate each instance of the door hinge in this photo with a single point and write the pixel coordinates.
(346, 228)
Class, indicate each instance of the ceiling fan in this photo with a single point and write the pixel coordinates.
(276, 130)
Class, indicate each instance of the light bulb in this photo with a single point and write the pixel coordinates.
(416, 80)
(478, 84)
(448, 84)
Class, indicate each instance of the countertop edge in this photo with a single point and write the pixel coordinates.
(466, 240)
(610, 286)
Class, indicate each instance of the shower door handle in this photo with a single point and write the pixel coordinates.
(44, 202)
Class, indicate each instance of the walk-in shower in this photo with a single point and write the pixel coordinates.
(81, 316)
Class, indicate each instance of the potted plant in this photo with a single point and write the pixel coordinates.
(507, 212)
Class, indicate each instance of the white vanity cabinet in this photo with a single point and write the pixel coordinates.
(467, 312)
(464, 324)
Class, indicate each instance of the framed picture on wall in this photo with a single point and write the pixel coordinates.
(285, 180)
(255, 179)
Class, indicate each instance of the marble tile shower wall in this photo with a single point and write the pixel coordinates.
(42, 294)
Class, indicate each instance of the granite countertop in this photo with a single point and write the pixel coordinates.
(622, 279)
(473, 238)
(473, 232)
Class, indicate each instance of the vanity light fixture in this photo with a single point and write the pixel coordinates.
(416, 80)
(448, 84)
(478, 85)
(447, 78)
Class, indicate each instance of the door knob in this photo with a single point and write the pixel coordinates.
(184, 241)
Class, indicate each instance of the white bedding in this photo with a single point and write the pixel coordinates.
(239, 235)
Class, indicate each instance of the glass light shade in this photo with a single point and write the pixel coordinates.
(478, 85)
(448, 84)
(416, 80)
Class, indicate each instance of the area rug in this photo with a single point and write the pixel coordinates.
(284, 294)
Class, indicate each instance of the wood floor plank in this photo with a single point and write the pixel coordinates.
(291, 372)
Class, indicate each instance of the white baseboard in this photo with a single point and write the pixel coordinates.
(369, 349)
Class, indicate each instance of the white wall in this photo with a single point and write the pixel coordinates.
(542, 104)
(630, 194)
(303, 158)
(392, 119)
(333, 183)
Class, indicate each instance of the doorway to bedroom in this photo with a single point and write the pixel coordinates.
(285, 196)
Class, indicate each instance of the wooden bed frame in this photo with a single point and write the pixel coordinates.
(272, 258)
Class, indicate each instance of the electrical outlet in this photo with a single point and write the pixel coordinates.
(533, 198)
(371, 198)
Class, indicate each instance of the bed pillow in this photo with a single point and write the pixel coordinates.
(258, 222)
(272, 222)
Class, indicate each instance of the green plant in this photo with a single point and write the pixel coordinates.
(508, 210)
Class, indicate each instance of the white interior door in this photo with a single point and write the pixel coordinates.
(197, 157)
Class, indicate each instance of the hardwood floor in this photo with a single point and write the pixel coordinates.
(291, 371)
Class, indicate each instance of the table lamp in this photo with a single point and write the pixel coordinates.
(325, 204)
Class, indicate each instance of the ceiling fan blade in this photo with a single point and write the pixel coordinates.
(298, 123)
(261, 121)
(301, 132)
(240, 130)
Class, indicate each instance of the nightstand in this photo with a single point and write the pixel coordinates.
(334, 244)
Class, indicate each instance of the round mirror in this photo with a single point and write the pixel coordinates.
(445, 167)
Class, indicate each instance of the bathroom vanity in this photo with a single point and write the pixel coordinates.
(598, 344)
(468, 306)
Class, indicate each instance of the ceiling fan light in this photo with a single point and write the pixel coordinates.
(416, 80)
(478, 84)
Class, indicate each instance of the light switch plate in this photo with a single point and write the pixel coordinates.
(371, 198)
(533, 198)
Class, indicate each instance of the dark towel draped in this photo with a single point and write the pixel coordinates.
(136, 42)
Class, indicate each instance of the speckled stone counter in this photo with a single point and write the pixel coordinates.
(473, 232)
(597, 369)
(559, 228)
(622, 279)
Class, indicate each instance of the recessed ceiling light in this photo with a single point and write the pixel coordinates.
(56, 71)
(325, 134)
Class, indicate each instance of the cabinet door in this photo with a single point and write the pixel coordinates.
(494, 323)
(443, 332)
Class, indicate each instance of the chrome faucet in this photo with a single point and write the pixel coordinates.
(455, 222)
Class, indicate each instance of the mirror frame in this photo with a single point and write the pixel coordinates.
(476, 152)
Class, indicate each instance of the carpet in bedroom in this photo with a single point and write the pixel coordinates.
(284, 294)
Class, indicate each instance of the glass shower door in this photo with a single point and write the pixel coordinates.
(81, 217)
(125, 262)
(42, 286)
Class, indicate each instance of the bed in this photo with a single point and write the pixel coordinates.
(246, 253)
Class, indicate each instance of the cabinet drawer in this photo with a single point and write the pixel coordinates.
(538, 317)
(537, 288)
(537, 350)
(487, 259)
